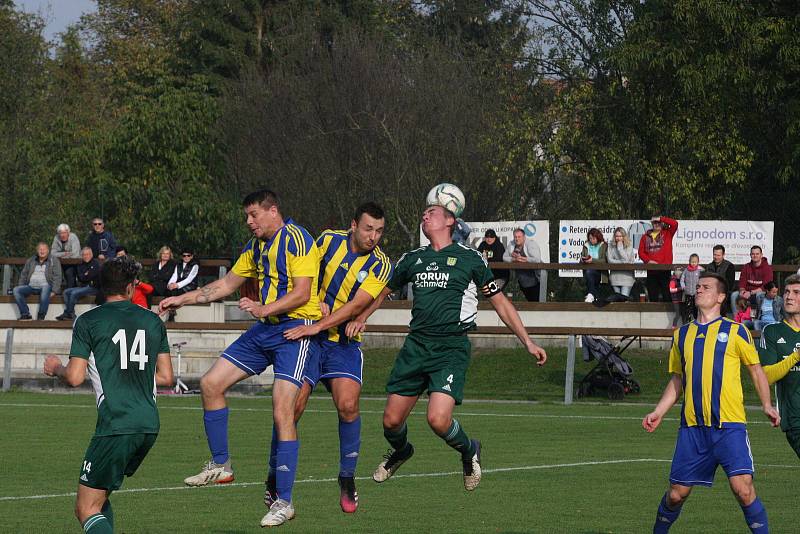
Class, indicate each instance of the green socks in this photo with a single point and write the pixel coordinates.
(457, 438)
(97, 524)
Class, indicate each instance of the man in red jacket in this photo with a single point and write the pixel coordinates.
(656, 247)
(754, 276)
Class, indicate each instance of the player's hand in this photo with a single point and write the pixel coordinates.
(773, 415)
(252, 307)
(651, 421)
(325, 309)
(537, 352)
(301, 331)
(169, 303)
(51, 364)
(354, 328)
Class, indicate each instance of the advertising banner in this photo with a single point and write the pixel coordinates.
(692, 237)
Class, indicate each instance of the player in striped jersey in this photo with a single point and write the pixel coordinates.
(352, 272)
(705, 363)
(284, 259)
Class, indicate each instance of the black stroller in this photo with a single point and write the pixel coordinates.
(613, 373)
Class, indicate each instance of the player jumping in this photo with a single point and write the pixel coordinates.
(117, 343)
(445, 277)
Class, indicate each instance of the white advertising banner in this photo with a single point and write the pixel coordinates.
(538, 231)
(692, 237)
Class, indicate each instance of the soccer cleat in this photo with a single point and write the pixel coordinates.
(348, 496)
(279, 513)
(270, 490)
(392, 461)
(472, 468)
(212, 473)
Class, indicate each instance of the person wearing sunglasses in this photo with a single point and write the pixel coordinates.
(101, 241)
(184, 277)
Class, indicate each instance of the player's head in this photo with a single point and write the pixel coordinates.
(712, 289)
(117, 276)
(367, 226)
(791, 295)
(436, 219)
(263, 212)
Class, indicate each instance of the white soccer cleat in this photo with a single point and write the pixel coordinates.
(279, 513)
(392, 461)
(472, 468)
(212, 473)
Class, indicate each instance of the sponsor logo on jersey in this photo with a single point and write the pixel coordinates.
(451, 261)
(361, 276)
(431, 279)
(432, 266)
(722, 337)
(419, 261)
(781, 340)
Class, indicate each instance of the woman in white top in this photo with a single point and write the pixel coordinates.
(620, 250)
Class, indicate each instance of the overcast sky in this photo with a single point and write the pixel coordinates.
(58, 14)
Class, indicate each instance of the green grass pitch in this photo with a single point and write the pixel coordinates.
(585, 468)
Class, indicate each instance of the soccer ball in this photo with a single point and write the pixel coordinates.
(447, 196)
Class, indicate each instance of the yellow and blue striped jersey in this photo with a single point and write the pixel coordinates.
(708, 357)
(342, 273)
(290, 253)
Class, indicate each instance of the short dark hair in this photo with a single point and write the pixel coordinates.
(722, 284)
(719, 247)
(120, 248)
(756, 247)
(791, 280)
(118, 273)
(769, 286)
(520, 230)
(694, 256)
(264, 197)
(373, 209)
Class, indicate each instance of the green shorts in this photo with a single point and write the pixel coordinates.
(432, 364)
(793, 437)
(110, 458)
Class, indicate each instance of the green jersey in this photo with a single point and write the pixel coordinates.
(445, 285)
(121, 341)
(778, 341)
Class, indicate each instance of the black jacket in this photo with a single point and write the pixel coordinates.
(89, 274)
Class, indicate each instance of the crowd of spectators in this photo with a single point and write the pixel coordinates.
(45, 275)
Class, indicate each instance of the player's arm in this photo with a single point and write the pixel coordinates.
(298, 296)
(762, 387)
(359, 323)
(669, 397)
(72, 374)
(347, 311)
(777, 371)
(214, 291)
(164, 375)
(510, 317)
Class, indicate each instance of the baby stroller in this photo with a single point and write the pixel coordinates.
(612, 373)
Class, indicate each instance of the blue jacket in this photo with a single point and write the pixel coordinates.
(102, 243)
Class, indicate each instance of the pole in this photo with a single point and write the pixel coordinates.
(7, 361)
(570, 373)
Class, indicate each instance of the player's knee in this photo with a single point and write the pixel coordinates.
(210, 387)
(439, 422)
(348, 410)
(676, 497)
(84, 510)
(745, 494)
(392, 421)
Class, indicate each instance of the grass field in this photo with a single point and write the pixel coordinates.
(586, 468)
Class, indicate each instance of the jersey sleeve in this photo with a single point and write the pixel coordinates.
(745, 347)
(675, 365)
(81, 340)
(401, 274)
(246, 266)
(767, 348)
(379, 275)
(302, 255)
(483, 276)
(164, 343)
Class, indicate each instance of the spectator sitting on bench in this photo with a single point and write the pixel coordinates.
(41, 276)
(88, 279)
(744, 313)
(769, 306)
(66, 245)
(754, 276)
(162, 271)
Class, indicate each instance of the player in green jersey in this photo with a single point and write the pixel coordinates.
(435, 355)
(115, 343)
(778, 351)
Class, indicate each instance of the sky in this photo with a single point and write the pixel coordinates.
(58, 14)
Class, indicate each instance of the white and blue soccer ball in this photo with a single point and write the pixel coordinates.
(447, 196)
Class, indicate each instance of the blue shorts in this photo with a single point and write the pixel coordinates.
(335, 360)
(700, 449)
(264, 345)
